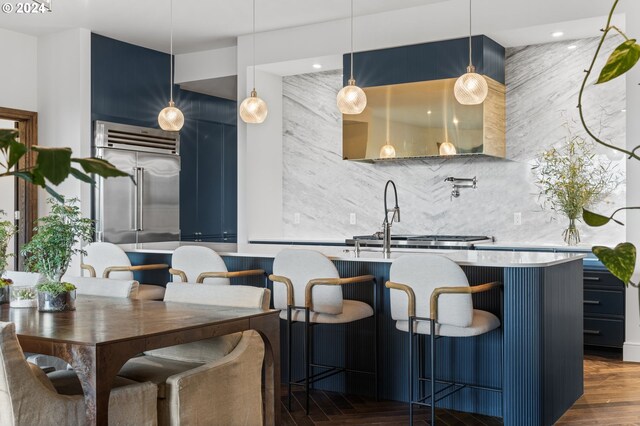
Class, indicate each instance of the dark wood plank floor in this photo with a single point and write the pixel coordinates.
(612, 397)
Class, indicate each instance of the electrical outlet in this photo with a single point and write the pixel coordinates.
(517, 218)
(296, 218)
(352, 219)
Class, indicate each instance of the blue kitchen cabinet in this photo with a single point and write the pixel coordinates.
(209, 182)
(230, 187)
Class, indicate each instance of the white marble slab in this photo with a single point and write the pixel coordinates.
(461, 257)
(542, 88)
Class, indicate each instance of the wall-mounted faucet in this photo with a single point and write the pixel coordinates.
(461, 183)
(386, 224)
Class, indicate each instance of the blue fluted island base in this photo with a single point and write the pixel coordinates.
(537, 354)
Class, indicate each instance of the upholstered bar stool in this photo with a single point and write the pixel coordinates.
(107, 260)
(202, 265)
(308, 289)
(436, 302)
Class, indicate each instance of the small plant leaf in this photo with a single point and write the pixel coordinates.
(54, 193)
(7, 136)
(99, 166)
(16, 151)
(82, 176)
(594, 219)
(620, 261)
(622, 59)
(54, 164)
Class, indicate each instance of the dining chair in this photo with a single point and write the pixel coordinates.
(106, 287)
(430, 295)
(215, 381)
(107, 260)
(29, 397)
(202, 265)
(20, 278)
(308, 289)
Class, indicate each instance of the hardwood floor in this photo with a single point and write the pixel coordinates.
(611, 397)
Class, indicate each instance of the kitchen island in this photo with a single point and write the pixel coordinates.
(536, 356)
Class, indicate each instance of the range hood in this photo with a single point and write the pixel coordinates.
(411, 106)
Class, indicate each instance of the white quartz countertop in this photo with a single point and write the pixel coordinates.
(462, 257)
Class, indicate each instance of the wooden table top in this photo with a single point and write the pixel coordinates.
(99, 320)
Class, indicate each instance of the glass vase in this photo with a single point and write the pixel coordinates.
(571, 235)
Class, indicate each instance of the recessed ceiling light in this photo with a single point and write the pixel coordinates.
(317, 66)
(429, 112)
(623, 110)
(557, 34)
(455, 121)
(573, 46)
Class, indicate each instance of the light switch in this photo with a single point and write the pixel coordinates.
(352, 218)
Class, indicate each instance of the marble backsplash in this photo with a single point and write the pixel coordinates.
(542, 90)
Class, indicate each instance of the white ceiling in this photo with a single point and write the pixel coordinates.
(198, 24)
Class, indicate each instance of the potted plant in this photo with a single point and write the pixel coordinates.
(7, 230)
(571, 177)
(49, 252)
(22, 297)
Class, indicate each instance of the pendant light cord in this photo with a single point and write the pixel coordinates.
(171, 51)
(470, 61)
(351, 77)
(254, 45)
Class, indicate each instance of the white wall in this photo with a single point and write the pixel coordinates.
(205, 65)
(632, 344)
(64, 105)
(18, 73)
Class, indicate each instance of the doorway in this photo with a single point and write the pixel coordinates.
(22, 202)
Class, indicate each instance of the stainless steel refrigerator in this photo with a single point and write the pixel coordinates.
(146, 208)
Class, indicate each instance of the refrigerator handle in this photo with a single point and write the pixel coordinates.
(141, 199)
(135, 198)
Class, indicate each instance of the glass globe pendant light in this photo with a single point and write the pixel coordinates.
(351, 99)
(171, 118)
(253, 110)
(387, 151)
(471, 88)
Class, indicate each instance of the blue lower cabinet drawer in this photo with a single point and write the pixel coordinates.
(603, 302)
(604, 332)
(601, 278)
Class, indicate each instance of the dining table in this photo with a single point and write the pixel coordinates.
(103, 333)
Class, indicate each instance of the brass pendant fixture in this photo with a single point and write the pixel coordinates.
(171, 118)
(254, 110)
(471, 88)
(351, 99)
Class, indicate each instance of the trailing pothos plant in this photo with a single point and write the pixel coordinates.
(51, 166)
(620, 260)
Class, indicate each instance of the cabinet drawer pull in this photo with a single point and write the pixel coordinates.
(591, 302)
(593, 332)
(591, 278)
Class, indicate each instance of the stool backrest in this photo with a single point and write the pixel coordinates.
(194, 260)
(20, 278)
(301, 266)
(424, 273)
(238, 296)
(104, 287)
(104, 255)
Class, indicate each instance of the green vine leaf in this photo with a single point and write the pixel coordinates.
(82, 176)
(100, 167)
(622, 59)
(54, 164)
(15, 152)
(595, 219)
(620, 261)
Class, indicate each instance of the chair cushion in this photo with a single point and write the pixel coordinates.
(483, 322)
(150, 292)
(239, 296)
(104, 286)
(352, 310)
(201, 351)
(66, 382)
(155, 370)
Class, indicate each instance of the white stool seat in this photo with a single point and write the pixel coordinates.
(352, 310)
(483, 322)
(150, 292)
